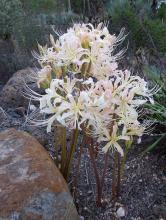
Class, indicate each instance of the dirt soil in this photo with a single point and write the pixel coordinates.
(143, 190)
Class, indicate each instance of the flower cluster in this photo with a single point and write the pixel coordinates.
(82, 49)
(85, 90)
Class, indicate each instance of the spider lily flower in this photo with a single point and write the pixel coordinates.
(71, 51)
(134, 130)
(67, 107)
(72, 112)
(85, 88)
(112, 139)
(66, 85)
(44, 77)
(83, 43)
(47, 57)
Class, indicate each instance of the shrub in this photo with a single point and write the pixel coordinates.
(10, 13)
(124, 15)
(157, 112)
(137, 19)
(162, 12)
(157, 31)
(40, 5)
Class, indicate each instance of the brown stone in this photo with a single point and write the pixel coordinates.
(12, 94)
(31, 186)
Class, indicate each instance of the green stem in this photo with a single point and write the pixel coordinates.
(71, 153)
(56, 149)
(98, 183)
(78, 164)
(121, 165)
(127, 148)
(114, 176)
(119, 176)
(64, 153)
(105, 170)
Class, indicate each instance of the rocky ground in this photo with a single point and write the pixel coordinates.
(143, 191)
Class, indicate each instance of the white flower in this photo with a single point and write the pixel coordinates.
(72, 112)
(44, 76)
(86, 90)
(112, 139)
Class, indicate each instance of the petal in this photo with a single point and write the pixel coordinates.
(119, 149)
(106, 147)
(121, 137)
(50, 121)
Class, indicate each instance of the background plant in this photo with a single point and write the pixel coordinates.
(145, 29)
(138, 20)
(157, 112)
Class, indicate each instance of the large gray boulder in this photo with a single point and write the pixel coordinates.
(31, 186)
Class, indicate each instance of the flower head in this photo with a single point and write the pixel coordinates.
(84, 88)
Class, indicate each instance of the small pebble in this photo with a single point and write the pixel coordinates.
(32, 108)
(120, 212)
(89, 192)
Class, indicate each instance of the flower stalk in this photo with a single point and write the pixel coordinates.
(114, 181)
(84, 140)
(106, 157)
(118, 176)
(64, 150)
(98, 183)
(71, 153)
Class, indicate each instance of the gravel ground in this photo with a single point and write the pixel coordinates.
(143, 190)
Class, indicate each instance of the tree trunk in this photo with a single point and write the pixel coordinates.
(154, 6)
(69, 5)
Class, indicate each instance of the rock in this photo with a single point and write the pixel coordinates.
(40, 134)
(12, 93)
(120, 212)
(160, 210)
(31, 186)
(1, 86)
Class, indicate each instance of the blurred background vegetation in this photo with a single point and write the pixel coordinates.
(23, 23)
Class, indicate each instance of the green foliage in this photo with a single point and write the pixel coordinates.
(24, 23)
(10, 13)
(124, 15)
(157, 78)
(162, 12)
(153, 146)
(157, 30)
(77, 5)
(139, 23)
(40, 5)
(28, 33)
(157, 111)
